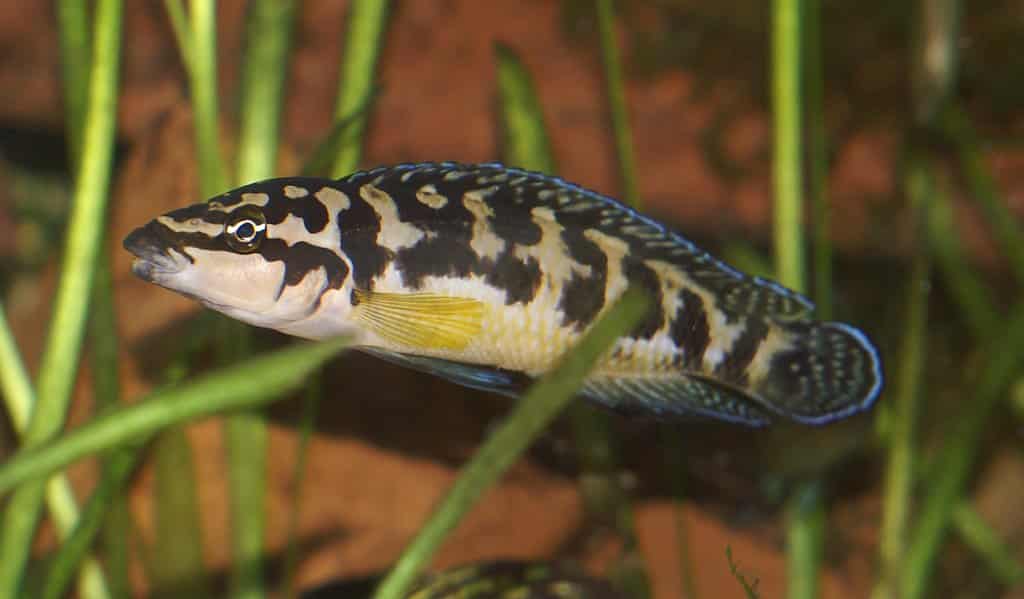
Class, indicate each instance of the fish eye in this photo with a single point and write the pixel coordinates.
(245, 231)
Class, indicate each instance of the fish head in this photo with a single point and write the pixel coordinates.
(244, 256)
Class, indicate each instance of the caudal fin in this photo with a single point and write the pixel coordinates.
(826, 371)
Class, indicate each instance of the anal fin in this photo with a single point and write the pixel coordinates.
(420, 320)
(485, 378)
(673, 397)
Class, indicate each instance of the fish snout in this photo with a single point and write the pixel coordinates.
(152, 250)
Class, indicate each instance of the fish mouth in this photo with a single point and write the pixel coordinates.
(153, 253)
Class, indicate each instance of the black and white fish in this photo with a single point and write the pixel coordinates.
(485, 275)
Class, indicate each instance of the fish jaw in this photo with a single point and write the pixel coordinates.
(156, 259)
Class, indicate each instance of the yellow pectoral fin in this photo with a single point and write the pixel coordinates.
(420, 320)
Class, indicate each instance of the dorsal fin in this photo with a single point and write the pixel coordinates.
(519, 191)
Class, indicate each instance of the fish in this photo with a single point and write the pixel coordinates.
(503, 579)
(486, 275)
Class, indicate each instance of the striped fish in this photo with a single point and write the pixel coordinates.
(486, 275)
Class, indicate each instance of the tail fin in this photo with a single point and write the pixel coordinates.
(824, 371)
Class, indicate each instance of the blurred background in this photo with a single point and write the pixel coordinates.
(935, 288)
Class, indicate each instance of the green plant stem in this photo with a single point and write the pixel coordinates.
(805, 538)
(321, 159)
(901, 414)
(310, 406)
(85, 226)
(527, 419)
(268, 35)
(106, 396)
(617, 101)
(182, 32)
(268, 39)
(73, 19)
(953, 464)
(806, 511)
(1000, 218)
(788, 177)
(179, 569)
(971, 296)
(675, 467)
(525, 142)
(213, 177)
(15, 386)
(817, 157)
(527, 145)
(247, 440)
(363, 41)
(19, 398)
(255, 382)
(986, 542)
(117, 468)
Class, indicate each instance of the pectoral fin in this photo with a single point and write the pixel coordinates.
(420, 320)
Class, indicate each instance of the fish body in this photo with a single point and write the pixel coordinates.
(486, 275)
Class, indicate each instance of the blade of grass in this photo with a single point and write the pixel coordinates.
(73, 20)
(788, 173)
(257, 381)
(527, 145)
(180, 570)
(817, 157)
(177, 567)
(806, 510)
(117, 469)
(60, 357)
(182, 32)
(953, 464)
(268, 39)
(1003, 222)
(310, 407)
(526, 420)
(805, 526)
(321, 160)
(973, 299)
(246, 439)
(971, 296)
(617, 101)
(363, 41)
(675, 466)
(213, 175)
(900, 415)
(19, 398)
(986, 542)
(178, 526)
(525, 142)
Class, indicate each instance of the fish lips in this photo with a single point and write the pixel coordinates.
(155, 255)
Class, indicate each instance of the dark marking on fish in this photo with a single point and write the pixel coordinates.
(312, 212)
(446, 254)
(583, 296)
(302, 258)
(639, 273)
(691, 329)
(519, 278)
(512, 222)
(358, 226)
(733, 366)
(200, 211)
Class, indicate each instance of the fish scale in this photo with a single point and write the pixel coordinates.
(479, 272)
